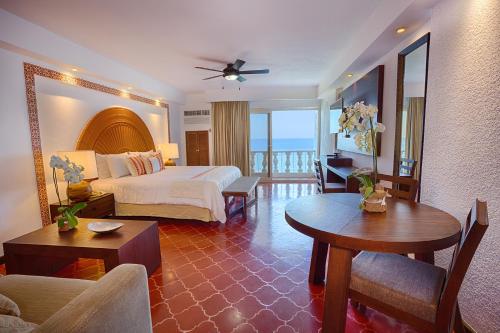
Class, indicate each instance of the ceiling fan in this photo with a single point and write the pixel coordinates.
(232, 71)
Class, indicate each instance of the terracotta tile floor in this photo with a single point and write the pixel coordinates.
(239, 277)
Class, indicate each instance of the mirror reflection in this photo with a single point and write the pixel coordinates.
(411, 109)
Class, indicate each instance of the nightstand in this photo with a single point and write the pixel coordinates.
(99, 205)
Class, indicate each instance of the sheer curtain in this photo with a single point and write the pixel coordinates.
(231, 133)
(414, 123)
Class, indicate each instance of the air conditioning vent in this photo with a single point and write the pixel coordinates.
(196, 117)
(196, 113)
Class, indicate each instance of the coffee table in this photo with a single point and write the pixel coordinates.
(45, 251)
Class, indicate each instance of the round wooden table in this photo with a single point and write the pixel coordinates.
(338, 225)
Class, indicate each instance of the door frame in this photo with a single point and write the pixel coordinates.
(269, 112)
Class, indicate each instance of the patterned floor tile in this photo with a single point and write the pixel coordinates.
(242, 276)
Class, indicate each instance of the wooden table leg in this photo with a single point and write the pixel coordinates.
(318, 262)
(226, 206)
(245, 208)
(427, 257)
(337, 290)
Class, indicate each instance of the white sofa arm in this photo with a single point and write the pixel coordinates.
(118, 302)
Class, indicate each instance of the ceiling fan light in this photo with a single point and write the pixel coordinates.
(231, 77)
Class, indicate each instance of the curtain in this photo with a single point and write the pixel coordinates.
(414, 129)
(231, 133)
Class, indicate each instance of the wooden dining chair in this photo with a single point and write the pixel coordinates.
(402, 187)
(324, 187)
(420, 294)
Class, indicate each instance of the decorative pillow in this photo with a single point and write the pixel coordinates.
(140, 153)
(102, 166)
(14, 324)
(135, 165)
(8, 307)
(153, 163)
(117, 165)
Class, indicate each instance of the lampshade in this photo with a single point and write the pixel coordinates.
(169, 150)
(85, 158)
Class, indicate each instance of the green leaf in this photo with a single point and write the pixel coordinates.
(72, 220)
(62, 209)
(77, 207)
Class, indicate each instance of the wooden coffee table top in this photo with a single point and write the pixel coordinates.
(406, 227)
(81, 237)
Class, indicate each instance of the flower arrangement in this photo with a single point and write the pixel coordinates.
(359, 120)
(73, 175)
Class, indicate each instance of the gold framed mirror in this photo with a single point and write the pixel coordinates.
(410, 109)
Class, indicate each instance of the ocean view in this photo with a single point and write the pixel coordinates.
(283, 144)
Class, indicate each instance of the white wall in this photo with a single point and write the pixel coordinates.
(461, 159)
(176, 114)
(64, 110)
(390, 62)
(19, 208)
(23, 41)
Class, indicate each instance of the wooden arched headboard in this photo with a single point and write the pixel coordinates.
(115, 130)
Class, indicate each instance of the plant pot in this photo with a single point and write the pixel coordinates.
(79, 192)
(374, 205)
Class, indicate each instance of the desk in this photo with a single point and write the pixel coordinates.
(339, 227)
(339, 170)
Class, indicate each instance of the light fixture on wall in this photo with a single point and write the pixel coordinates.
(400, 30)
(349, 75)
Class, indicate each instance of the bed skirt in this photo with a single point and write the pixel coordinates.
(183, 212)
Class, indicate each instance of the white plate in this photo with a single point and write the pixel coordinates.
(104, 227)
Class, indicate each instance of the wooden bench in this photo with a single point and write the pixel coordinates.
(241, 187)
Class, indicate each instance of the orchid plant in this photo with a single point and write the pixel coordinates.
(359, 119)
(72, 175)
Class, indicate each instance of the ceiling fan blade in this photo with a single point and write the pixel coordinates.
(212, 77)
(241, 78)
(210, 69)
(238, 63)
(256, 71)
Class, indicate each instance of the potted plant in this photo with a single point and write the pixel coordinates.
(67, 220)
(359, 119)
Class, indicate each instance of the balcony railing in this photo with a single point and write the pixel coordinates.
(295, 163)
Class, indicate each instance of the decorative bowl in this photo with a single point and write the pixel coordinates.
(104, 227)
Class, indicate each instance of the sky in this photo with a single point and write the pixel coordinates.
(286, 125)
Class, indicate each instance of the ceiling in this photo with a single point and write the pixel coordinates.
(296, 39)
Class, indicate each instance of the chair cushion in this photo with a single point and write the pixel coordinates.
(13, 324)
(8, 307)
(403, 283)
(39, 297)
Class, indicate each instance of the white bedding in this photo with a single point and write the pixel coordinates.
(198, 186)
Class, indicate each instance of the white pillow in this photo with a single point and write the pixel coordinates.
(117, 165)
(102, 166)
(140, 153)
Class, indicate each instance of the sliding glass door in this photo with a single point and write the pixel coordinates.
(283, 143)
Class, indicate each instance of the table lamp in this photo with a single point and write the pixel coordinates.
(169, 151)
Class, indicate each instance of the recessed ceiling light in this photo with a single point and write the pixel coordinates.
(74, 69)
(130, 88)
(349, 75)
(400, 30)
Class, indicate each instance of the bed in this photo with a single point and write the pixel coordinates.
(176, 192)
(192, 192)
